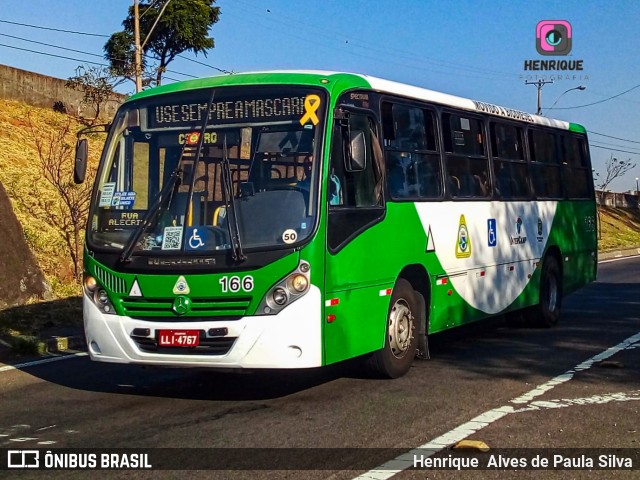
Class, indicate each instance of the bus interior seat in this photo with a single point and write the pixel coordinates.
(469, 186)
(276, 183)
(179, 207)
(454, 185)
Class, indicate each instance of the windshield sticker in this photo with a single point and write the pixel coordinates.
(107, 194)
(120, 219)
(311, 105)
(196, 238)
(123, 199)
(172, 238)
(181, 287)
(289, 236)
(193, 137)
(135, 289)
(463, 245)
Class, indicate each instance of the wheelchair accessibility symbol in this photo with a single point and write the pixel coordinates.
(195, 241)
(491, 232)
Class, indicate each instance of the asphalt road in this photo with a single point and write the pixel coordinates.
(474, 373)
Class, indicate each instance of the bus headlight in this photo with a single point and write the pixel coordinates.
(298, 283)
(98, 295)
(90, 283)
(286, 291)
(279, 296)
(102, 297)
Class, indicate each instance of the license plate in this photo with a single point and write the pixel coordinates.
(178, 338)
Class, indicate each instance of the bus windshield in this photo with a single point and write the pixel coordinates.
(175, 179)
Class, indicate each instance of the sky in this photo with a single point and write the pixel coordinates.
(474, 49)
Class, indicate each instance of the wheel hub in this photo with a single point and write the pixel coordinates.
(400, 328)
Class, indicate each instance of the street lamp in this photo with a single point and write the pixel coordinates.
(580, 87)
(637, 193)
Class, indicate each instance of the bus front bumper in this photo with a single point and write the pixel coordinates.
(290, 339)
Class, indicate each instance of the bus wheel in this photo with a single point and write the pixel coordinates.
(547, 312)
(395, 359)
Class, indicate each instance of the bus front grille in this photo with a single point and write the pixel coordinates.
(110, 281)
(200, 307)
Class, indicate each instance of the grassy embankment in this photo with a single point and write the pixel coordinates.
(22, 178)
(30, 194)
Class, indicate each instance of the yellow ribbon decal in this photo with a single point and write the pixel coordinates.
(311, 105)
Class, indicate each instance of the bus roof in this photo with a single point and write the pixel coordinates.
(343, 81)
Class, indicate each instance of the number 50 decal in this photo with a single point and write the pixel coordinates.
(234, 284)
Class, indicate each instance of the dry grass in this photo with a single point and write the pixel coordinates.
(22, 178)
(620, 228)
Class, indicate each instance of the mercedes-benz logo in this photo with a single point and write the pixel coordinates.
(181, 305)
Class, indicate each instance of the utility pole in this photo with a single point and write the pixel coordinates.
(136, 37)
(539, 84)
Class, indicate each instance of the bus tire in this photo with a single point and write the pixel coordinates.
(401, 339)
(547, 313)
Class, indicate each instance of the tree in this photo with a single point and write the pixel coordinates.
(120, 52)
(182, 26)
(614, 169)
(67, 211)
(97, 86)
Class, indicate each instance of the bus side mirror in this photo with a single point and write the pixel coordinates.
(80, 164)
(356, 161)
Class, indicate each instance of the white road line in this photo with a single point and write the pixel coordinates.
(617, 259)
(404, 461)
(21, 366)
(593, 400)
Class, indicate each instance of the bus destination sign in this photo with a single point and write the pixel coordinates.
(245, 110)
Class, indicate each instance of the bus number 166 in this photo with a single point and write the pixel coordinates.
(234, 284)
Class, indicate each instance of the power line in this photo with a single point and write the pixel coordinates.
(616, 145)
(595, 103)
(334, 35)
(51, 45)
(84, 53)
(105, 36)
(613, 149)
(55, 29)
(53, 55)
(221, 70)
(611, 136)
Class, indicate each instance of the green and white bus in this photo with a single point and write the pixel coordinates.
(298, 219)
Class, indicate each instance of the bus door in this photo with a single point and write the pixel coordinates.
(356, 248)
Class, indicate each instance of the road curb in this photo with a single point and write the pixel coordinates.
(62, 344)
(623, 252)
(22, 344)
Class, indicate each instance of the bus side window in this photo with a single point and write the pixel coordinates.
(545, 168)
(412, 158)
(466, 159)
(577, 167)
(509, 163)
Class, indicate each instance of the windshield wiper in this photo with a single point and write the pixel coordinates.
(161, 196)
(148, 218)
(230, 203)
